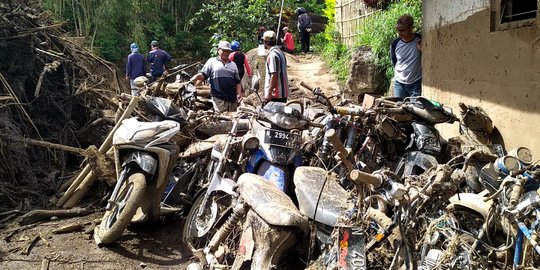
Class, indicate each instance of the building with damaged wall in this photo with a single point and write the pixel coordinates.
(486, 53)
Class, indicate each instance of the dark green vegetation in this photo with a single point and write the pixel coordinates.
(189, 28)
(185, 28)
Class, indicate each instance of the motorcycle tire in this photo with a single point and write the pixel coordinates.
(198, 232)
(116, 220)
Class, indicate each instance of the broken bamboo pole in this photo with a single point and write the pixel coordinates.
(86, 178)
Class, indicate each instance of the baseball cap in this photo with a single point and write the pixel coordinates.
(224, 45)
(154, 43)
(285, 28)
(269, 35)
(134, 46)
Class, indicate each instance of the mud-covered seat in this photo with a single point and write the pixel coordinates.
(309, 182)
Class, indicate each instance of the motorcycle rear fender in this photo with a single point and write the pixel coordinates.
(263, 244)
(471, 201)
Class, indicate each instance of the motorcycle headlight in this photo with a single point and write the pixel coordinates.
(250, 142)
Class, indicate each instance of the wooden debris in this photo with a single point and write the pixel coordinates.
(69, 228)
(86, 178)
(45, 263)
(30, 245)
(39, 215)
(27, 141)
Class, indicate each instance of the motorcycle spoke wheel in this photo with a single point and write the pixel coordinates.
(198, 230)
(117, 218)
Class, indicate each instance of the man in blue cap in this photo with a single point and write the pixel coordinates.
(135, 67)
(157, 58)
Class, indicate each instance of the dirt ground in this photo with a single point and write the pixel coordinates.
(157, 245)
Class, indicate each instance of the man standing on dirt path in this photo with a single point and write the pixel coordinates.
(276, 83)
(304, 28)
(135, 67)
(406, 55)
(157, 58)
(224, 79)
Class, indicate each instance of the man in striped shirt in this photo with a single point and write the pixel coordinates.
(276, 84)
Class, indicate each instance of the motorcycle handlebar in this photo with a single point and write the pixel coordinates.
(365, 178)
(342, 152)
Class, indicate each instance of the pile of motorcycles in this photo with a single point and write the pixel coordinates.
(317, 183)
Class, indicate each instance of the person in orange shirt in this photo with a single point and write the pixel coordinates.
(288, 41)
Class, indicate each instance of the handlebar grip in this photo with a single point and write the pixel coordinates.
(515, 195)
(349, 111)
(366, 178)
(342, 152)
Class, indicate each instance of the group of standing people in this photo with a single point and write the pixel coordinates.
(226, 71)
(136, 64)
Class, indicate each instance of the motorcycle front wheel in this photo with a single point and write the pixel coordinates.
(199, 229)
(117, 218)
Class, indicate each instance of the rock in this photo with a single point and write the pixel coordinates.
(142, 265)
(365, 76)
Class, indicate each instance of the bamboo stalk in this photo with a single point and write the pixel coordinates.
(85, 180)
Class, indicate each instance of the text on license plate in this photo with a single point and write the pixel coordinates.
(282, 138)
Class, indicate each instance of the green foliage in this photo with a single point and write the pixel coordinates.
(327, 44)
(378, 30)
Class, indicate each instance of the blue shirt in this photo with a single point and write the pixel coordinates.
(158, 59)
(223, 78)
(135, 65)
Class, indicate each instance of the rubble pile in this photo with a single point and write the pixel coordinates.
(51, 89)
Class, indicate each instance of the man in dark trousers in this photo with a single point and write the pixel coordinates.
(276, 84)
(157, 58)
(406, 55)
(135, 67)
(304, 28)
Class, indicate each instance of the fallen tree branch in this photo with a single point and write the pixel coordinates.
(27, 141)
(39, 215)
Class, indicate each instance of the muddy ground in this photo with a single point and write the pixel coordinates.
(156, 245)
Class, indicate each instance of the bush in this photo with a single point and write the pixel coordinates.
(378, 31)
(335, 54)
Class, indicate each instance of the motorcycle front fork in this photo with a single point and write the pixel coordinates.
(120, 182)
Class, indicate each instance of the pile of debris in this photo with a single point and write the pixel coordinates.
(52, 90)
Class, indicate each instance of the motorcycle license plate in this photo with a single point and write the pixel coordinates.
(352, 253)
(282, 138)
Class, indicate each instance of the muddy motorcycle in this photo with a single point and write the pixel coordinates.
(270, 146)
(145, 157)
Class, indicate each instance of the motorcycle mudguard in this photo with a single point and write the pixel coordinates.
(271, 204)
(256, 157)
(145, 161)
(263, 244)
(471, 201)
(276, 174)
(308, 183)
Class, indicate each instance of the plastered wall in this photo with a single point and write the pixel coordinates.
(463, 61)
